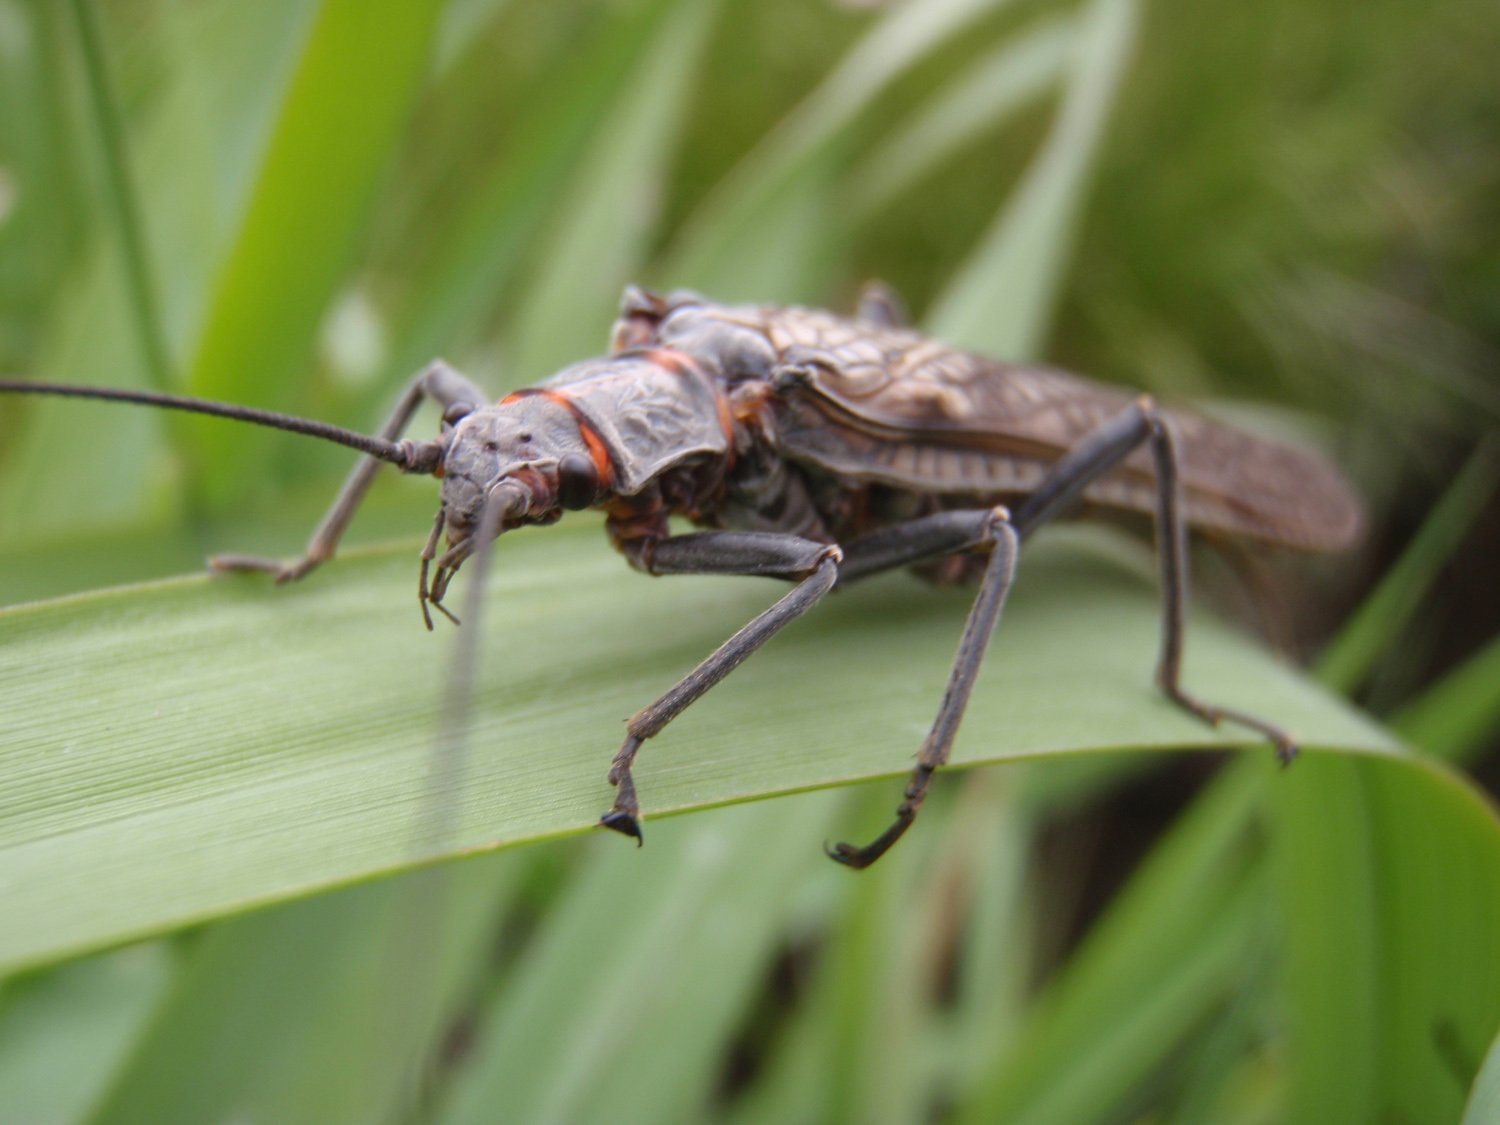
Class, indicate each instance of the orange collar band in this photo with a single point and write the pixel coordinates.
(604, 464)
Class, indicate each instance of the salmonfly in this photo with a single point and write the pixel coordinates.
(817, 449)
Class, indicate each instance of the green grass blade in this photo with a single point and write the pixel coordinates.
(996, 956)
(97, 558)
(181, 751)
(993, 89)
(1001, 300)
(459, 27)
(622, 1002)
(120, 188)
(1386, 612)
(66, 1033)
(45, 210)
(1483, 1107)
(1457, 717)
(609, 210)
(1328, 889)
(727, 227)
(1121, 1056)
(856, 1046)
(894, 1043)
(1210, 1087)
(108, 472)
(1390, 892)
(1438, 844)
(352, 89)
(873, 1039)
(481, 250)
(861, 1044)
(319, 1011)
(785, 250)
(67, 471)
(1168, 951)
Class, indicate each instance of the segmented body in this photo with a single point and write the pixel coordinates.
(797, 420)
(861, 445)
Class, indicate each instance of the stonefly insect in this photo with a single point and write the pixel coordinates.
(816, 449)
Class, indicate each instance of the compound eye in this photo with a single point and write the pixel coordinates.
(457, 412)
(577, 481)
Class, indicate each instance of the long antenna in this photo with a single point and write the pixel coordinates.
(391, 451)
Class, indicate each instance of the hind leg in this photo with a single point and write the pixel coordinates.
(1090, 459)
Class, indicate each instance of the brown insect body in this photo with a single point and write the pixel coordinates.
(846, 424)
(818, 449)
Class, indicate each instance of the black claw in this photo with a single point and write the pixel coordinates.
(860, 858)
(1285, 752)
(849, 855)
(624, 823)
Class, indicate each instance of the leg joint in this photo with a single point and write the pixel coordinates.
(1155, 417)
(999, 518)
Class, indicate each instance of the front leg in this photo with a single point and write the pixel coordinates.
(438, 382)
(813, 565)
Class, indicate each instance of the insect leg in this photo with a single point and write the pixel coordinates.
(438, 382)
(1095, 455)
(983, 618)
(1171, 548)
(882, 305)
(927, 537)
(814, 565)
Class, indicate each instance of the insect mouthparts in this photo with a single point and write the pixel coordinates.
(512, 498)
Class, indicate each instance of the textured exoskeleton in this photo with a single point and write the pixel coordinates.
(820, 449)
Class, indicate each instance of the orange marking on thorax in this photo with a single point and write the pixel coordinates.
(604, 464)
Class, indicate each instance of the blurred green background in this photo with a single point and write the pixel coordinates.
(1287, 211)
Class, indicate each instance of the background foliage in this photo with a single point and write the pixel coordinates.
(295, 203)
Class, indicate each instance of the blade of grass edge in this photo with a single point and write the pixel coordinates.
(993, 88)
(193, 142)
(1410, 857)
(497, 224)
(234, 745)
(344, 107)
(625, 995)
(704, 251)
(1327, 884)
(861, 1042)
(66, 1032)
(1155, 926)
(1000, 301)
(602, 227)
(318, 1011)
(120, 189)
(1378, 622)
(1457, 717)
(1483, 1107)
